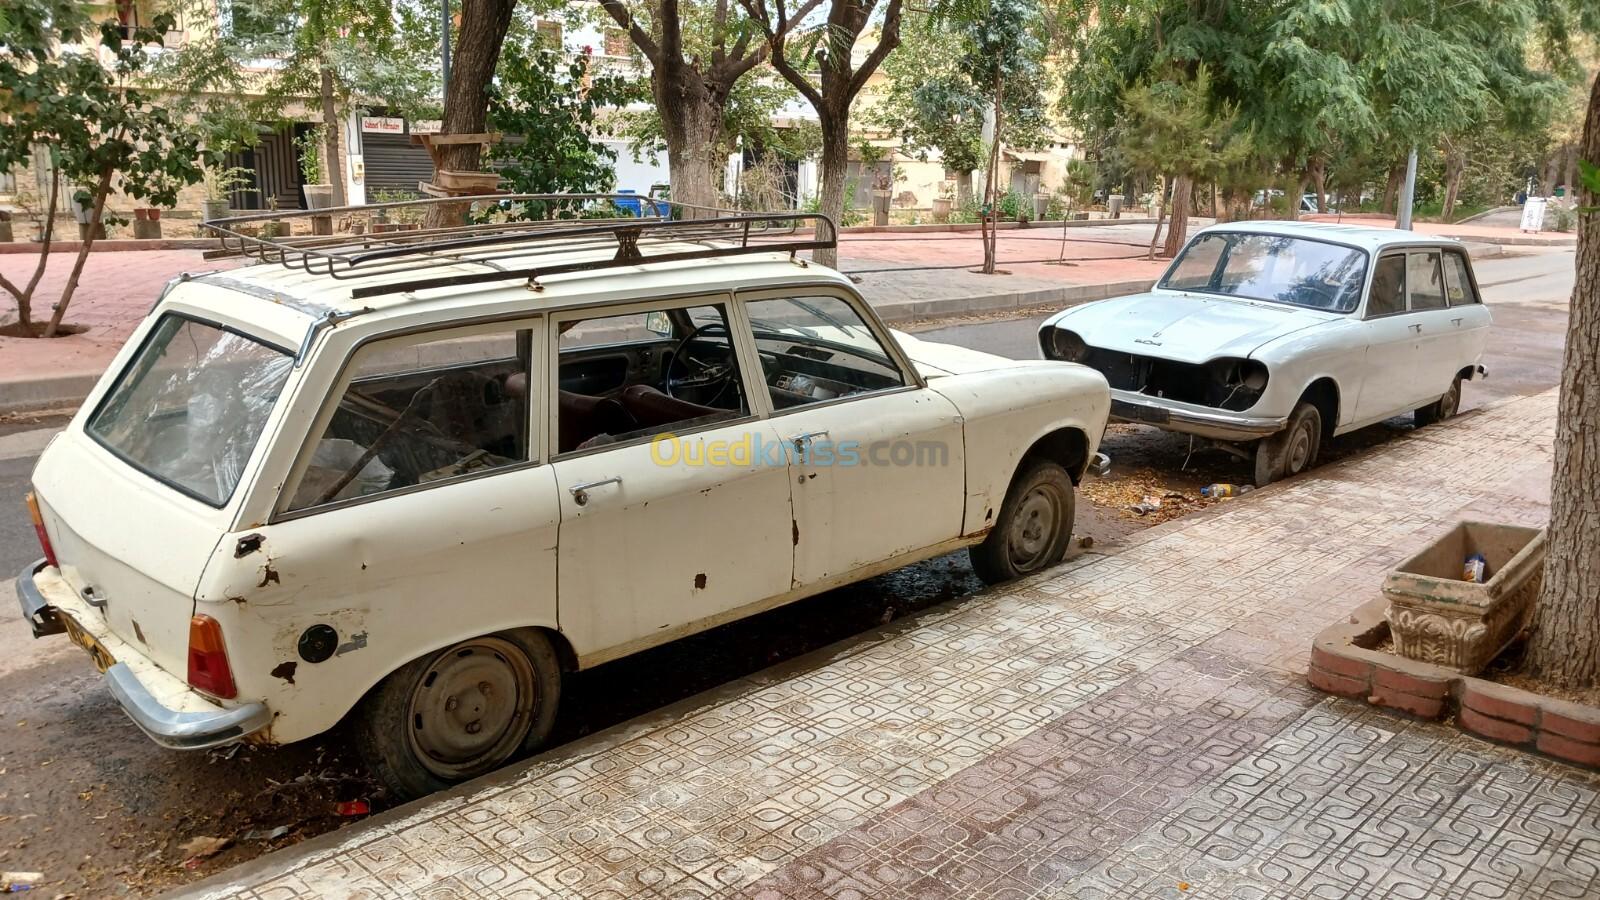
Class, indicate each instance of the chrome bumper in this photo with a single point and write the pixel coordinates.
(178, 729)
(1217, 424)
(1099, 466)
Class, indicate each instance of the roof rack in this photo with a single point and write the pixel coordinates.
(387, 238)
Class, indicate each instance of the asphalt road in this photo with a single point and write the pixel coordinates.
(89, 801)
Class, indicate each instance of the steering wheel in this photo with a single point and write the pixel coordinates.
(712, 374)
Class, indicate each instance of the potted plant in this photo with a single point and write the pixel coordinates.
(82, 212)
(220, 184)
(147, 223)
(318, 190)
(943, 202)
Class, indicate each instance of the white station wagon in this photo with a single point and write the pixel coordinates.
(1268, 338)
(418, 476)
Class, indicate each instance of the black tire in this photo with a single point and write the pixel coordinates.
(1033, 529)
(1440, 409)
(416, 728)
(1292, 450)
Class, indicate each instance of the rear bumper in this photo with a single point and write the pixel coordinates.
(1217, 424)
(202, 725)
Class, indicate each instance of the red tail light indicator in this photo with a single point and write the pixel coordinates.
(38, 528)
(208, 659)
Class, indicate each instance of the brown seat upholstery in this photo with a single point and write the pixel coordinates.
(651, 407)
(580, 417)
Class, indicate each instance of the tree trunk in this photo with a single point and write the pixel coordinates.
(1161, 215)
(1178, 230)
(1319, 184)
(330, 138)
(1552, 168)
(1570, 179)
(691, 122)
(835, 160)
(1391, 191)
(96, 215)
(24, 295)
(1293, 196)
(991, 200)
(1565, 646)
(466, 100)
(1455, 166)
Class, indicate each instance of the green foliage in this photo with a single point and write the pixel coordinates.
(308, 148)
(539, 100)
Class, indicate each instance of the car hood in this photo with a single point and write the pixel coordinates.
(1186, 327)
(934, 359)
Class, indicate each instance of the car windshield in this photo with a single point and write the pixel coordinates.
(1271, 267)
(190, 406)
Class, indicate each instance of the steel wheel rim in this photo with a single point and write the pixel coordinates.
(1451, 401)
(472, 708)
(1298, 454)
(1035, 527)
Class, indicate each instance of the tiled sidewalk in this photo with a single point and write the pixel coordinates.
(1130, 726)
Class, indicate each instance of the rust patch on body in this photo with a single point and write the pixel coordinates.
(269, 575)
(795, 524)
(700, 582)
(285, 670)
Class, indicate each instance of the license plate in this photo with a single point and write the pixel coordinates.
(102, 659)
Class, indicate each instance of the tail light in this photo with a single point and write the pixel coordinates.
(208, 659)
(38, 528)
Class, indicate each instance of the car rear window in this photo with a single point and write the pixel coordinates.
(190, 406)
(1272, 267)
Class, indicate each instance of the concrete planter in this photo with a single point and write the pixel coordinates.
(1041, 206)
(147, 223)
(941, 209)
(880, 207)
(6, 235)
(214, 209)
(1436, 617)
(318, 196)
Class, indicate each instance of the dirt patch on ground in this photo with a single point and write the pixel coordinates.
(36, 330)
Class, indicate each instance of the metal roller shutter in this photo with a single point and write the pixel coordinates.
(394, 163)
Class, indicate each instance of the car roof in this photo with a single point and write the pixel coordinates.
(1366, 237)
(317, 294)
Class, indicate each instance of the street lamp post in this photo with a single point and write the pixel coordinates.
(1408, 194)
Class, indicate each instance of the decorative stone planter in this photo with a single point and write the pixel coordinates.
(147, 223)
(1041, 206)
(214, 209)
(318, 196)
(941, 209)
(1438, 618)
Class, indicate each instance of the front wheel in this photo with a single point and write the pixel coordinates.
(1034, 527)
(1292, 450)
(460, 712)
(1440, 409)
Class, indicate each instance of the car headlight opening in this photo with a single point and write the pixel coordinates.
(1069, 346)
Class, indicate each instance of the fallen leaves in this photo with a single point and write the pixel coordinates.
(199, 849)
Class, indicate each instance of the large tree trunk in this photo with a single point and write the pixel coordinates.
(1565, 647)
(1182, 200)
(466, 98)
(1319, 183)
(330, 138)
(691, 122)
(1293, 196)
(1455, 166)
(835, 160)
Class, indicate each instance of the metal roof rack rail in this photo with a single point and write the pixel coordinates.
(390, 238)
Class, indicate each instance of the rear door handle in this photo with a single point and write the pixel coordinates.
(1456, 322)
(1416, 329)
(580, 492)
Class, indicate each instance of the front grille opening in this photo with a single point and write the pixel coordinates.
(1230, 384)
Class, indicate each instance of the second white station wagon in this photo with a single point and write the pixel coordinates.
(416, 477)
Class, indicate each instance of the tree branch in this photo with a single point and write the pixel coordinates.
(888, 39)
(641, 38)
(777, 39)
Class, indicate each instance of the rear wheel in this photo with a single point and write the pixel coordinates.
(1440, 409)
(461, 712)
(1292, 450)
(1034, 526)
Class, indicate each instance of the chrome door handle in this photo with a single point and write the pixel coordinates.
(1417, 329)
(580, 492)
(94, 599)
(801, 440)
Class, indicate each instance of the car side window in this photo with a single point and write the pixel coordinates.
(624, 377)
(1197, 267)
(1425, 280)
(818, 348)
(421, 411)
(1458, 281)
(1388, 287)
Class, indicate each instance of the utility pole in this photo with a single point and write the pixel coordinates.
(444, 47)
(1408, 194)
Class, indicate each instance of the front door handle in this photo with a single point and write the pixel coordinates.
(800, 441)
(580, 492)
(1415, 329)
(1456, 322)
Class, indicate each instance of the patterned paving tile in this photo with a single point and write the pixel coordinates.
(1111, 729)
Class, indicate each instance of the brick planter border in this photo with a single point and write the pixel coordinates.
(1344, 663)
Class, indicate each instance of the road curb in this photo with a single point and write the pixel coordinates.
(49, 392)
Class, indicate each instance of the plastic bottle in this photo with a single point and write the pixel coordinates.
(1221, 491)
(1476, 569)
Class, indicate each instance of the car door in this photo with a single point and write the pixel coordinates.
(877, 463)
(1469, 317)
(1439, 338)
(678, 518)
(1390, 382)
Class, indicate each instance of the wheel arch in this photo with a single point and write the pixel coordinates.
(1324, 394)
(1067, 446)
